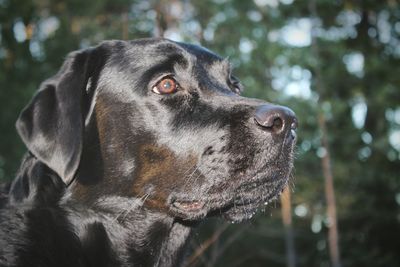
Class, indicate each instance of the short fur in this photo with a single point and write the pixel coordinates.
(117, 175)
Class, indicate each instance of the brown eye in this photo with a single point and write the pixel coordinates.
(165, 86)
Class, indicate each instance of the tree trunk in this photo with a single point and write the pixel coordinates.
(333, 235)
(287, 222)
(125, 25)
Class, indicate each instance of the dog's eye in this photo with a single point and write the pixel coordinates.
(166, 86)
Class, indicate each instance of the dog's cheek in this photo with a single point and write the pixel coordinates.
(158, 173)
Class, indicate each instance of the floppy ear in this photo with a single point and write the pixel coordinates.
(52, 124)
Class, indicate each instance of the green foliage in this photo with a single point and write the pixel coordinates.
(366, 159)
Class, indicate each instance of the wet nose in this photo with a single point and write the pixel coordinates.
(275, 119)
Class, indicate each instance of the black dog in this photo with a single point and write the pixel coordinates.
(130, 145)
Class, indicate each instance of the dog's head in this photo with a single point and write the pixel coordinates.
(163, 122)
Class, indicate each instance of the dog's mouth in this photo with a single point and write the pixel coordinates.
(189, 206)
(235, 206)
(188, 209)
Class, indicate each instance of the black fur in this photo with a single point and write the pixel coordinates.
(117, 175)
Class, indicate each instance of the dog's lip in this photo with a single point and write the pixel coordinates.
(188, 206)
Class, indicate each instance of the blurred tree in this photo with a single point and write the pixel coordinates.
(287, 222)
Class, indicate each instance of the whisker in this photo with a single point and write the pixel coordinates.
(142, 200)
(189, 169)
(138, 203)
(283, 145)
(188, 178)
(244, 205)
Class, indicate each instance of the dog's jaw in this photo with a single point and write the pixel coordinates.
(238, 194)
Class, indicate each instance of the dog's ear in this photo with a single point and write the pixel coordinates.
(52, 124)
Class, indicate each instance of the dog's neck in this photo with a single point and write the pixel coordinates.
(111, 231)
(135, 236)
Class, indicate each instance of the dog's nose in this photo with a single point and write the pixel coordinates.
(275, 119)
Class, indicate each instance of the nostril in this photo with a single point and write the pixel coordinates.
(277, 124)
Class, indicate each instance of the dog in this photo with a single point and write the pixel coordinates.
(130, 145)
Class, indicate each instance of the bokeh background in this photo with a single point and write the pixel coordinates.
(336, 63)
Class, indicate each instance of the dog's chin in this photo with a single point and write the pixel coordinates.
(240, 213)
(247, 203)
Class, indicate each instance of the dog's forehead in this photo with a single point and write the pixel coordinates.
(155, 50)
(201, 53)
